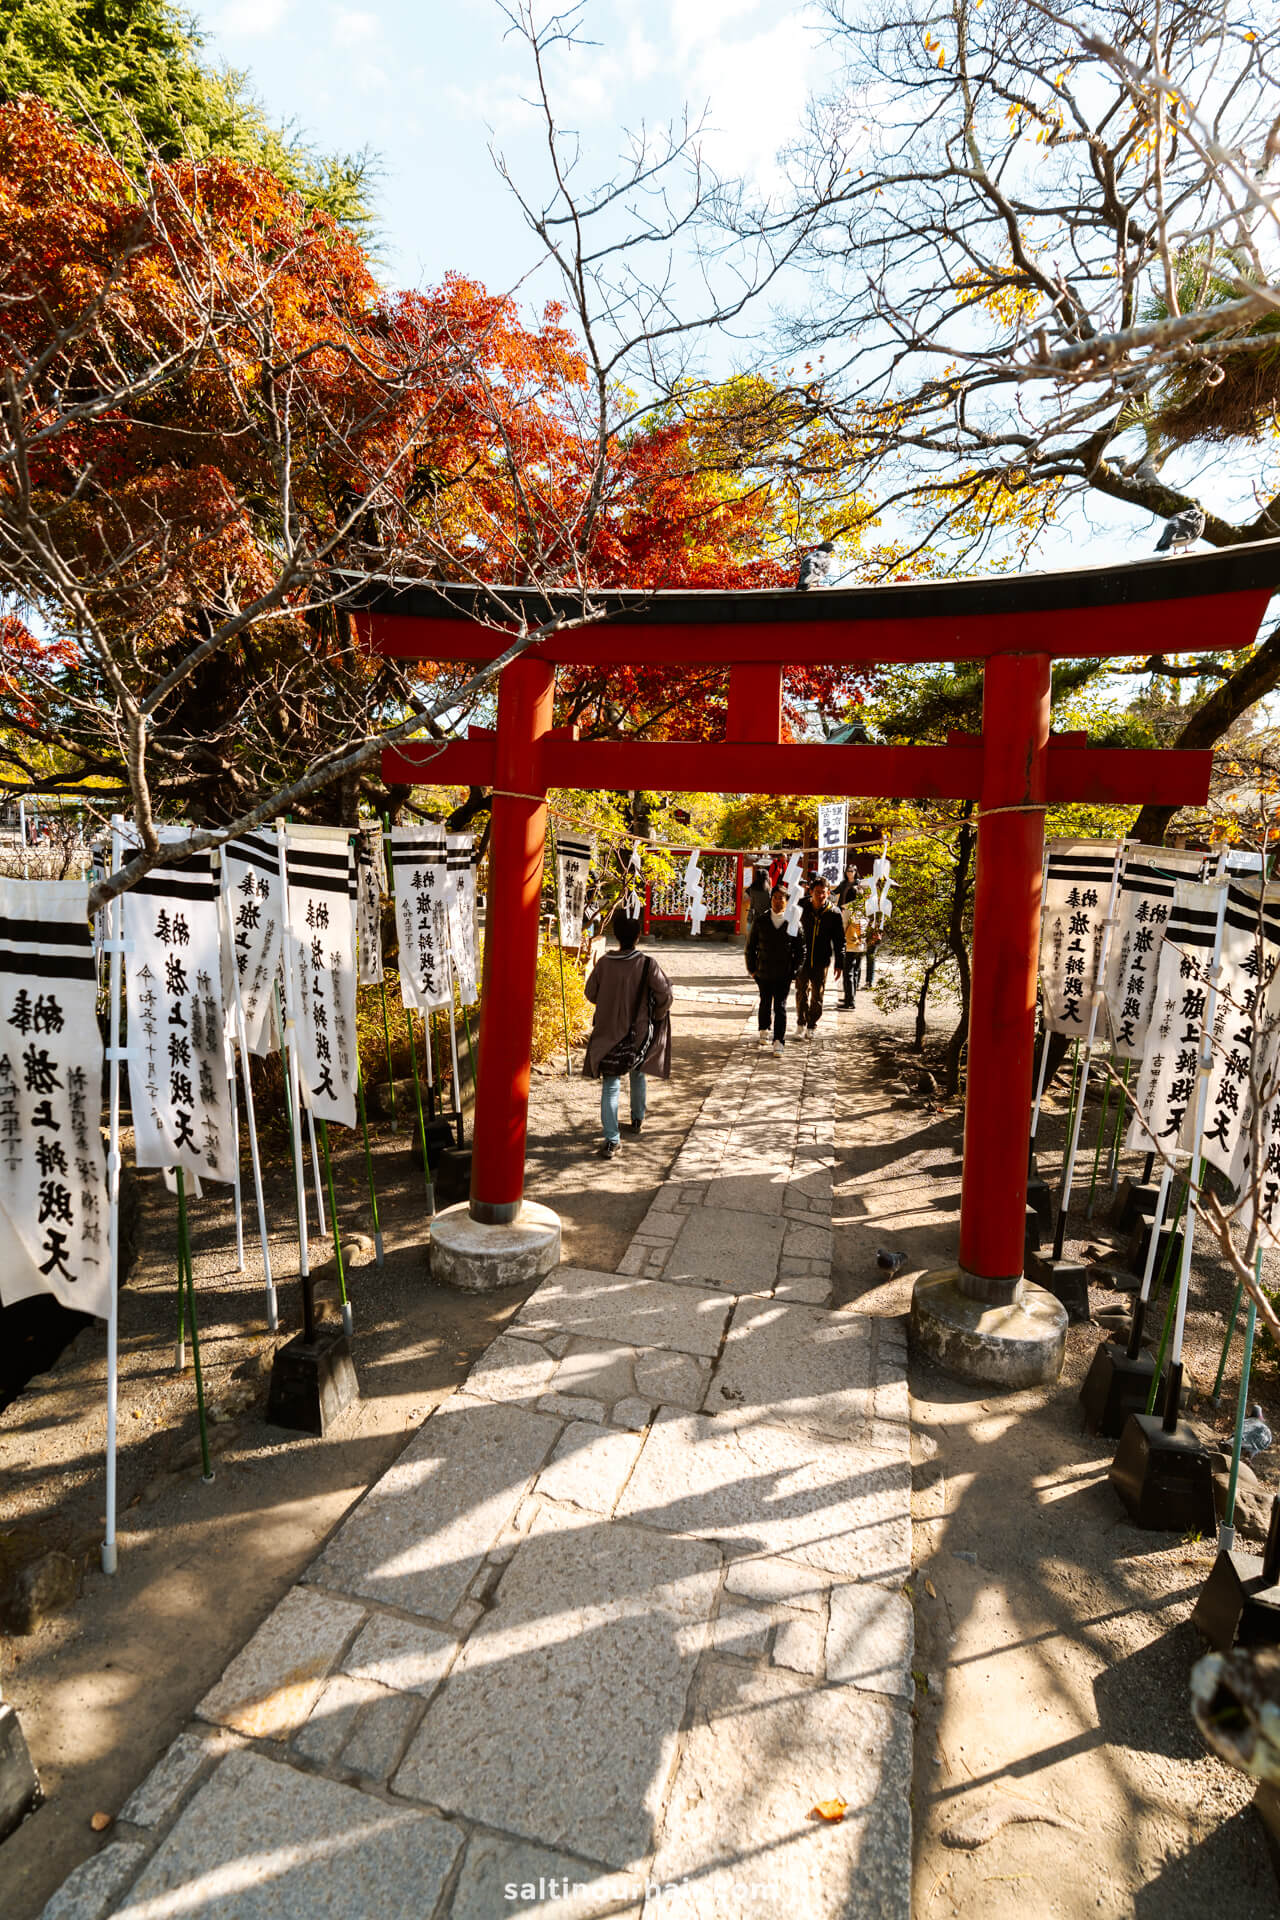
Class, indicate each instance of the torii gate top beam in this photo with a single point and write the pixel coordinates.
(1179, 605)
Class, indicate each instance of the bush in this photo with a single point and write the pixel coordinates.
(549, 1008)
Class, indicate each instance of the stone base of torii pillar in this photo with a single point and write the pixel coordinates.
(1019, 1344)
(479, 1256)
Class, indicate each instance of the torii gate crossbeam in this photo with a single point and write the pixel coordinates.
(1017, 625)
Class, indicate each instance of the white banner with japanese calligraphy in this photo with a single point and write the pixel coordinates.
(1165, 1098)
(1077, 890)
(53, 1194)
(179, 1076)
(253, 916)
(460, 890)
(833, 831)
(371, 884)
(1142, 908)
(573, 864)
(1244, 1047)
(320, 953)
(419, 864)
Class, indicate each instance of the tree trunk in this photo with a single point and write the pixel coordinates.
(922, 1000)
(1254, 680)
(959, 950)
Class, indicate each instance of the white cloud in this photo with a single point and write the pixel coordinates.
(251, 18)
(352, 28)
(756, 89)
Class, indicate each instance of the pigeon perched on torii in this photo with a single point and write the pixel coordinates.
(1183, 530)
(818, 566)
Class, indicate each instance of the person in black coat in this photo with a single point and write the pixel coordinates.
(757, 895)
(773, 954)
(822, 944)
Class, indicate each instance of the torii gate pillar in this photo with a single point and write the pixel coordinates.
(982, 1319)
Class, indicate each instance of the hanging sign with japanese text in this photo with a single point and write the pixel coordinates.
(419, 862)
(53, 1195)
(1165, 1100)
(460, 889)
(573, 864)
(253, 912)
(179, 1080)
(1244, 1034)
(1077, 890)
(833, 831)
(1142, 908)
(320, 952)
(371, 884)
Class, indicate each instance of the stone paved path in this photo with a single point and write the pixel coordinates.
(626, 1607)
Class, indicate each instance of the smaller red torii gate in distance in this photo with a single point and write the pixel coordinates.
(1017, 625)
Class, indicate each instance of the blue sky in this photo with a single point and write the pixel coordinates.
(428, 87)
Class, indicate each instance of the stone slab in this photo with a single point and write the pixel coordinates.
(381, 1733)
(401, 1654)
(870, 1640)
(590, 1650)
(672, 1379)
(262, 1841)
(801, 1366)
(775, 1490)
(333, 1718)
(777, 1583)
(761, 1750)
(735, 1250)
(417, 1539)
(632, 1413)
(636, 1313)
(549, 1886)
(743, 1631)
(512, 1370)
(271, 1686)
(749, 1192)
(800, 1643)
(155, 1797)
(589, 1467)
(87, 1892)
(602, 1370)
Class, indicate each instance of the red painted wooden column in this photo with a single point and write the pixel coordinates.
(517, 844)
(1006, 934)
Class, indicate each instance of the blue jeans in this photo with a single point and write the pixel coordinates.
(609, 1089)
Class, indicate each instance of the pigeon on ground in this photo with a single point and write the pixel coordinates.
(817, 567)
(889, 1262)
(1183, 530)
(1255, 1434)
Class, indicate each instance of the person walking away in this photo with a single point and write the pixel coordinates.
(822, 941)
(773, 954)
(757, 896)
(631, 1030)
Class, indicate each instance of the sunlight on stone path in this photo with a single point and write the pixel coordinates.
(627, 1606)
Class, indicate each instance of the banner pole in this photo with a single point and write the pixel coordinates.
(293, 1095)
(386, 1042)
(337, 1230)
(240, 1048)
(368, 1163)
(453, 1054)
(321, 1228)
(236, 1196)
(413, 1055)
(185, 1262)
(115, 933)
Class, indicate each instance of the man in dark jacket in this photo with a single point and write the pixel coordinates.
(773, 954)
(822, 946)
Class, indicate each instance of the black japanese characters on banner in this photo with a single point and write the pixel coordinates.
(1142, 908)
(53, 1195)
(1244, 1035)
(460, 892)
(254, 916)
(179, 1079)
(573, 864)
(1077, 889)
(833, 832)
(419, 858)
(371, 884)
(1165, 1098)
(320, 951)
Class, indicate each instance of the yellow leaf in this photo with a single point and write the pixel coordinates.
(930, 1589)
(832, 1810)
(942, 56)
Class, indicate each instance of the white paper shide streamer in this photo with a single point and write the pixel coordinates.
(695, 905)
(833, 831)
(320, 951)
(179, 1077)
(53, 1196)
(573, 864)
(254, 915)
(419, 857)
(371, 884)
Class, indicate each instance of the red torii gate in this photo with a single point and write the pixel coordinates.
(1016, 624)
